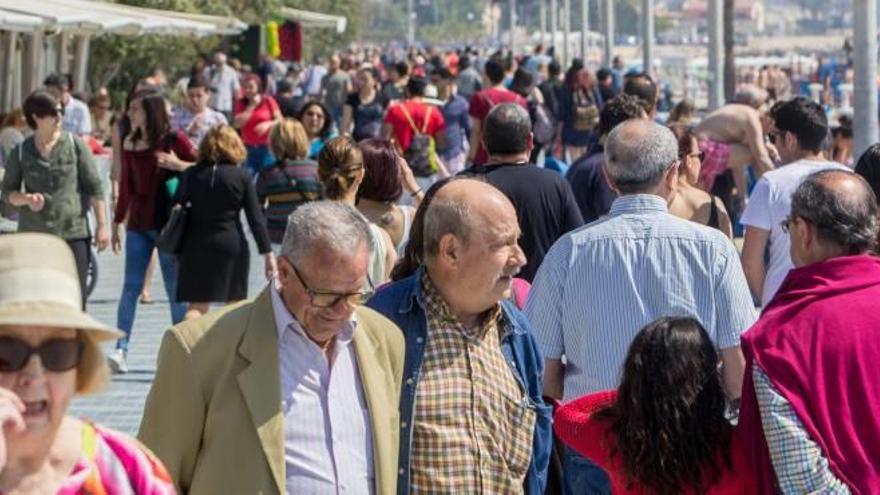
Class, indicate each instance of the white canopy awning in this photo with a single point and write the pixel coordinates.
(94, 17)
(12, 21)
(315, 19)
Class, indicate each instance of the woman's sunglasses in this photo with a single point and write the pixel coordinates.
(56, 355)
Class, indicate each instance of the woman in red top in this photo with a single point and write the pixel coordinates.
(255, 114)
(664, 430)
(152, 157)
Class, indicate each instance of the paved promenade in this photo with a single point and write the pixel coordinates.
(121, 404)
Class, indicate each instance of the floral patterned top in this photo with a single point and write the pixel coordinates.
(115, 464)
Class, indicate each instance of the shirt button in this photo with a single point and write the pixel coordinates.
(419, 340)
(402, 471)
(403, 425)
(409, 381)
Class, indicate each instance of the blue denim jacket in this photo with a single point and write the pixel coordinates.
(403, 303)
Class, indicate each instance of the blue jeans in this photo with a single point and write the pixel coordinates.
(258, 158)
(582, 477)
(138, 249)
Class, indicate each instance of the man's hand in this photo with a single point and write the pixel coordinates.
(36, 202)
(271, 267)
(116, 240)
(102, 237)
(11, 420)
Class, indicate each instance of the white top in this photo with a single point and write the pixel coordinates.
(769, 204)
(328, 442)
(77, 117)
(9, 138)
(224, 86)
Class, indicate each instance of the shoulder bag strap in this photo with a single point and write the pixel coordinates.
(427, 120)
(408, 118)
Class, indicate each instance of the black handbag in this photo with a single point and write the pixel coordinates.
(170, 238)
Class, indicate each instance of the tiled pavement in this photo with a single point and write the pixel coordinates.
(120, 405)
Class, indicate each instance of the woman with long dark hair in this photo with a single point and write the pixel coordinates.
(664, 431)
(152, 158)
(578, 110)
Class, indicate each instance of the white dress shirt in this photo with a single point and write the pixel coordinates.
(328, 443)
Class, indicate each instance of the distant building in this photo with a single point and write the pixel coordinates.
(750, 15)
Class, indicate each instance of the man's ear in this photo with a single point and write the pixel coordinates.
(448, 251)
(609, 181)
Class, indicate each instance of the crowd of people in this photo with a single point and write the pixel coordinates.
(484, 274)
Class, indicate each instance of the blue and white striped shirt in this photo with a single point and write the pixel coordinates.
(600, 284)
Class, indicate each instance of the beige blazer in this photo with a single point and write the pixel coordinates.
(213, 415)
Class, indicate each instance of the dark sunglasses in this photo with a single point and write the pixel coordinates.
(58, 111)
(56, 355)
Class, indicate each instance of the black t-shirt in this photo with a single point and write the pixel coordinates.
(290, 106)
(367, 117)
(545, 207)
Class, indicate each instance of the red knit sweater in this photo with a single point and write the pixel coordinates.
(576, 427)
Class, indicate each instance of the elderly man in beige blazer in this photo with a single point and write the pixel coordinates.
(293, 392)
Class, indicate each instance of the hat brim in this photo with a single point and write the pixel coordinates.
(46, 314)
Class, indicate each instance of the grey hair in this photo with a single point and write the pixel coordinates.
(445, 216)
(750, 95)
(638, 153)
(841, 218)
(324, 225)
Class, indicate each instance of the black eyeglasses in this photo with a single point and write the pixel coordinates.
(773, 135)
(56, 355)
(787, 223)
(56, 112)
(327, 299)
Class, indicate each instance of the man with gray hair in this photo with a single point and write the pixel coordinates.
(290, 392)
(545, 205)
(812, 390)
(599, 285)
(472, 419)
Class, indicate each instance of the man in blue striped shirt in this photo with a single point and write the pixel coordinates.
(600, 284)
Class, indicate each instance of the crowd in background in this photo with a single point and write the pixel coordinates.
(403, 203)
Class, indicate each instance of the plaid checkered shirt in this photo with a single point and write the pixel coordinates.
(473, 424)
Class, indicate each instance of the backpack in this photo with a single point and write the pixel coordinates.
(586, 113)
(422, 152)
(543, 123)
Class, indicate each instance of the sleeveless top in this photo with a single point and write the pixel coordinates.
(115, 463)
(376, 270)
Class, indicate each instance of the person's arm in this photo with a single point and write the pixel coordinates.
(121, 208)
(255, 218)
(544, 311)
(91, 187)
(554, 378)
(476, 137)
(724, 222)
(798, 462)
(243, 113)
(755, 142)
(754, 247)
(116, 168)
(734, 314)
(347, 113)
(733, 365)
(174, 412)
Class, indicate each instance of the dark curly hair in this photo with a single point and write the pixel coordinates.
(617, 111)
(668, 421)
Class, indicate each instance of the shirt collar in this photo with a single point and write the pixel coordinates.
(284, 320)
(638, 203)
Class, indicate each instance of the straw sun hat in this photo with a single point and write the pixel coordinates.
(39, 286)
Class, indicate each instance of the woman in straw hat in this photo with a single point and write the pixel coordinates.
(50, 351)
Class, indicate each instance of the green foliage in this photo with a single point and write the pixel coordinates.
(118, 62)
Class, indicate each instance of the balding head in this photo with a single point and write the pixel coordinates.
(471, 247)
(842, 209)
(638, 154)
(506, 130)
(460, 208)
